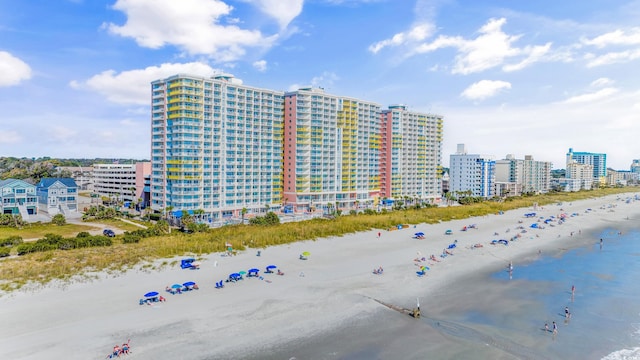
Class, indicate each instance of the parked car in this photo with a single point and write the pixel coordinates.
(108, 232)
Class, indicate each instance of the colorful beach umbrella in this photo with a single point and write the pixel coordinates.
(306, 253)
(242, 272)
(176, 286)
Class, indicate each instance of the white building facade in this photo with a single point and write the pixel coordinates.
(471, 173)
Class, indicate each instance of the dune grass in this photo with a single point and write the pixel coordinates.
(58, 264)
(38, 230)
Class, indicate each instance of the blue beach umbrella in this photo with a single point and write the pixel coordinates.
(176, 286)
(151, 294)
(254, 270)
(272, 267)
(234, 275)
(189, 283)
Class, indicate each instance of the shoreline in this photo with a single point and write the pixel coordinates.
(334, 293)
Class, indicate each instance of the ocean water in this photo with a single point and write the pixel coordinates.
(501, 315)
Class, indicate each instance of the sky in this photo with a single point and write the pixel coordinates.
(509, 77)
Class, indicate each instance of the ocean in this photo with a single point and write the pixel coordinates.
(502, 315)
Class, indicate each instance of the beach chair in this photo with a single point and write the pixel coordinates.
(187, 264)
(219, 284)
(420, 273)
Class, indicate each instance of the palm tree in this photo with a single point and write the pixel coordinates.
(243, 212)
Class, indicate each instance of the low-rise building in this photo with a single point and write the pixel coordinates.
(121, 182)
(18, 197)
(57, 195)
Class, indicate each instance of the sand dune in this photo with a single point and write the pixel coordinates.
(84, 319)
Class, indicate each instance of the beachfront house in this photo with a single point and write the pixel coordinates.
(18, 197)
(58, 195)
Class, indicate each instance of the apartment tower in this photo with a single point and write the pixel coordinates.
(411, 154)
(216, 146)
(331, 151)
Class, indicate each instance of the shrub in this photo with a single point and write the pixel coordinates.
(131, 239)
(369, 212)
(58, 219)
(270, 219)
(11, 241)
(154, 217)
(4, 251)
(83, 234)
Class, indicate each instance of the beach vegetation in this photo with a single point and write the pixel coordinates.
(11, 241)
(114, 255)
(11, 220)
(58, 219)
(5, 251)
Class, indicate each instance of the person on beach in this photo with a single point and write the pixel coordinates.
(573, 290)
(555, 328)
(379, 235)
(567, 314)
(546, 327)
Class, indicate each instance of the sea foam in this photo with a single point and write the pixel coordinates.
(624, 354)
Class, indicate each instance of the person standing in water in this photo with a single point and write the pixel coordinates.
(555, 328)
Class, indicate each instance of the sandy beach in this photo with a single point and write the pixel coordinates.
(334, 289)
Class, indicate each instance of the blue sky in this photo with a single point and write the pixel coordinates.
(509, 77)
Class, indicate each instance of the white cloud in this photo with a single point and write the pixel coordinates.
(612, 58)
(12, 70)
(491, 48)
(325, 80)
(591, 97)
(617, 37)
(9, 137)
(260, 65)
(418, 32)
(283, 11)
(601, 82)
(133, 86)
(484, 89)
(559, 126)
(191, 25)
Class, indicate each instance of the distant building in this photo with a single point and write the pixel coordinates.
(471, 173)
(581, 172)
(598, 161)
(635, 166)
(621, 177)
(569, 185)
(120, 182)
(82, 175)
(519, 176)
(18, 197)
(57, 195)
(411, 154)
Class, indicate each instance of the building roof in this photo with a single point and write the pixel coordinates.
(46, 182)
(9, 182)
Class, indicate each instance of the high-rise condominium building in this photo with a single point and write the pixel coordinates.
(216, 145)
(635, 166)
(331, 151)
(411, 154)
(598, 161)
(471, 173)
(222, 147)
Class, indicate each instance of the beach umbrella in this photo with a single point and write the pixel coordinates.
(189, 283)
(176, 286)
(254, 270)
(242, 272)
(151, 294)
(306, 253)
(272, 267)
(234, 275)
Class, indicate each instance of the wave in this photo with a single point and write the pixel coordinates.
(624, 354)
